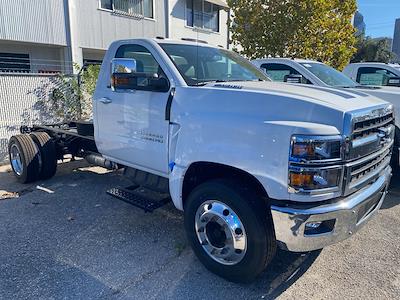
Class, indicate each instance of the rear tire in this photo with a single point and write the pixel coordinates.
(248, 211)
(24, 158)
(48, 154)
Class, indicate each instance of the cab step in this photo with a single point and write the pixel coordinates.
(140, 197)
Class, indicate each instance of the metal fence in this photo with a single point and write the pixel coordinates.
(24, 100)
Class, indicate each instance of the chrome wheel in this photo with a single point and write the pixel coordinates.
(220, 232)
(16, 160)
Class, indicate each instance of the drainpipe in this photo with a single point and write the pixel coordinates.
(166, 5)
(73, 33)
(228, 29)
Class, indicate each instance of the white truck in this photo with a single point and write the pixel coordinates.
(318, 74)
(374, 73)
(254, 165)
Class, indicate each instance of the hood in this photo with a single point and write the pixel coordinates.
(343, 100)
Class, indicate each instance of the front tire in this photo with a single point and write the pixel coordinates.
(230, 230)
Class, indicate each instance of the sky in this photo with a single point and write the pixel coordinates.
(379, 16)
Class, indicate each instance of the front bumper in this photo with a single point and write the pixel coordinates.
(294, 229)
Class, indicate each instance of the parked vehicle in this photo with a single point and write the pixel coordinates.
(254, 165)
(373, 73)
(319, 74)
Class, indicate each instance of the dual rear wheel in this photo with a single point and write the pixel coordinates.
(33, 156)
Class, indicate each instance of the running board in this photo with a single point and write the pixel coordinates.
(140, 197)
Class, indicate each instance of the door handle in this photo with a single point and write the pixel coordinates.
(105, 100)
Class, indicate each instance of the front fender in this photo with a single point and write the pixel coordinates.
(258, 147)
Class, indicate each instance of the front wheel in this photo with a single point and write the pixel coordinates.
(230, 230)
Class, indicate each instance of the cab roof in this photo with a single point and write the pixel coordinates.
(299, 60)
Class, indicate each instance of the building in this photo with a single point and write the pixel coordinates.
(199, 19)
(396, 40)
(359, 24)
(50, 35)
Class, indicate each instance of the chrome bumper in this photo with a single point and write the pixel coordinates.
(295, 226)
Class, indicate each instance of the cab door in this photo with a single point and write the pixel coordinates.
(130, 124)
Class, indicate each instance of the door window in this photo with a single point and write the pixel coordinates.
(145, 62)
(277, 72)
(373, 76)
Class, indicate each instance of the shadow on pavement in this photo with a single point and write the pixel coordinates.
(94, 249)
(285, 270)
(393, 197)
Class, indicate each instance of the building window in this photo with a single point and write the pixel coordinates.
(90, 62)
(15, 62)
(202, 14)
(135, 8)
(106, 4)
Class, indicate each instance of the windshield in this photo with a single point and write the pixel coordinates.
(199, 65)
(329, 75)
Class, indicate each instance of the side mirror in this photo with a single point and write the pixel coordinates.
(159, 84)
(123, 65)
(121, 72)
(293, 78)
(124, 76)
(394, 81)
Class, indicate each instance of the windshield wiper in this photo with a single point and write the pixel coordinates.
(365, 87)
(202, 83)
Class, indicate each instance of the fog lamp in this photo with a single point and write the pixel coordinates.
(313, 225)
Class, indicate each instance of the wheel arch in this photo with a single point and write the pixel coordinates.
(202, 171)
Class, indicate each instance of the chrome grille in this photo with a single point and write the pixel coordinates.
(369, 148)
(371, 135)
(367, 127)
(366, 170)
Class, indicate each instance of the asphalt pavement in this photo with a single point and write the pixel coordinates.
(65, 238)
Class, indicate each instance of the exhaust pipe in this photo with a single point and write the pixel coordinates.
(99, 160)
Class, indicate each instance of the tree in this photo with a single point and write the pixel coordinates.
(373, 50)
(69, 97)
(313, 29)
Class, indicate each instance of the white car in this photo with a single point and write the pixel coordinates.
(373, 73)
(322, 75)
(254, 164)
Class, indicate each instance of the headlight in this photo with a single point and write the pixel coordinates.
(305, 149)
(308, 151)
(314, 179)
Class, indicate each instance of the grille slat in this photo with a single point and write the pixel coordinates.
(362, 126)
(369, 164)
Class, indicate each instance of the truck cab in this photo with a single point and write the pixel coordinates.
(373, 73)
(254, 164)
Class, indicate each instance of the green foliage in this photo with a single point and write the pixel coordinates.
(313, 29)
(373, 50)
(89, 78)
(64, 99)
(71, 99)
